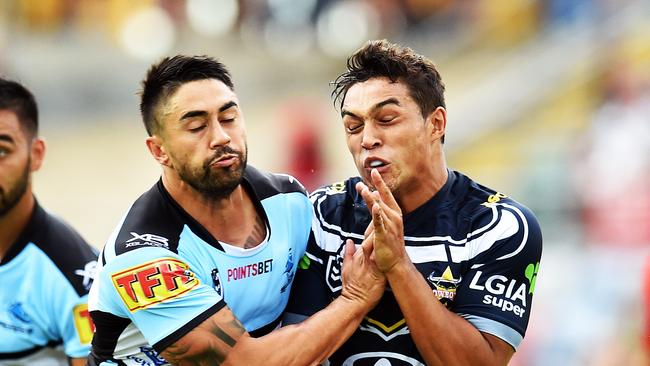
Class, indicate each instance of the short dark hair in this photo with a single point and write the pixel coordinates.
(16, 98)
(166, 76)
(381, 58)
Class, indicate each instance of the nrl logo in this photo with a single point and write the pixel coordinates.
(444, 286)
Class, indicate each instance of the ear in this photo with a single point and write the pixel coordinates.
(437, 123)
(37, 154)
(157, 150)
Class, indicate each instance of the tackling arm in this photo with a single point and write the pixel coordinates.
(222, 340)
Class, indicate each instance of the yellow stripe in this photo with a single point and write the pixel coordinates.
(385, 328)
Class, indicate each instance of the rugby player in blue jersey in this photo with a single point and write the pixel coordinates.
(461, 260)
(46, 268)
(199, 270)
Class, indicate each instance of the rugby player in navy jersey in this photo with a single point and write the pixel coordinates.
(199, 270)
(46, 268)
(461, 260)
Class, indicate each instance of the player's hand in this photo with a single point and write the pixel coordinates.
(387, 225)
(362, 280)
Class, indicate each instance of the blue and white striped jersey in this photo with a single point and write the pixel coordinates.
(161, 273)
(478, 250)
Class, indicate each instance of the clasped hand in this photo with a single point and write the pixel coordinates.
(364, 269)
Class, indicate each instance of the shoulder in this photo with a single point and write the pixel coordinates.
(499, 223)
(67, 250)
(340, 211)
(479, 203)
(267, 184)
(337, 194)
(151, 221)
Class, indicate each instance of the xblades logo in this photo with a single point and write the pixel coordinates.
(147, 239)
(88, 273)
(531, 276)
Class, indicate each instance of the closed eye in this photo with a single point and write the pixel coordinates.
(354, 128)
(197, 129)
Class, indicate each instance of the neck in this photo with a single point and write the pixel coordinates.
(229, 219)
(14, 221)
(426, 185)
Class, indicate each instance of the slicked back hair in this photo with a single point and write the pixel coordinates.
(166, 76)
(19, 100)
(381, 58)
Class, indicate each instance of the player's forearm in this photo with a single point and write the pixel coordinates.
(306, 343)
(442, 337)
(77, 361)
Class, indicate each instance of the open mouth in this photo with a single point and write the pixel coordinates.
(374, 163)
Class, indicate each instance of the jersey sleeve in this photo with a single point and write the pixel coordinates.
(158, 291)
(68, 305)
(496, 292)
(70, 321)
(75, 326)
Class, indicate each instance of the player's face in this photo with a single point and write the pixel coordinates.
(15, 161)
(386, 131)
(204, 135)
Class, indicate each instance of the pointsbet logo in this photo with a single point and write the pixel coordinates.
(153, 282)
(509, 295)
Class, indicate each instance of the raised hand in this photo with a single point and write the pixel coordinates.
(387, 227)
(362, 280)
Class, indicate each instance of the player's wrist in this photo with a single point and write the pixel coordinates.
(356, 302)
(399, 269)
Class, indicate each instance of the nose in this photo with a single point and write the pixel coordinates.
(218, 136)
(370, 138)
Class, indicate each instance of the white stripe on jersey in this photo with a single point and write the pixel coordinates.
(461, 250)
(505, 228)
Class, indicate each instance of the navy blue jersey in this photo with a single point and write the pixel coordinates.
(44, 280)
(161, 273)
(478, 250)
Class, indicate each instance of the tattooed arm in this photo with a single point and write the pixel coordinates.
(222, 339)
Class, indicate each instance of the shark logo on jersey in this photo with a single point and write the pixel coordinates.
(445, 286)
(288, 271)
(216, 282)
(17, 312)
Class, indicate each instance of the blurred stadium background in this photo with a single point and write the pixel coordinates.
(548, 100)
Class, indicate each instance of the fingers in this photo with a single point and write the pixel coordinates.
(366, 194)
(384, 191)
(367, 244)
(369, 230)
(378, 220)
(349, 250)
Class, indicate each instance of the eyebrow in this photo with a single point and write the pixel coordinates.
(201, 113)
(345, 112)
(7, 138)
